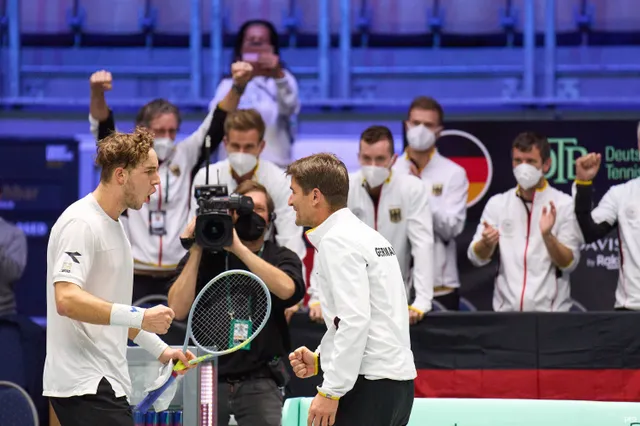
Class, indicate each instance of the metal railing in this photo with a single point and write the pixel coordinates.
(347, 70)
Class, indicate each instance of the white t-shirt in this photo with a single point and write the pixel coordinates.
(90, 249)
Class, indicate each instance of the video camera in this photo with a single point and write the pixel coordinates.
(214, 224)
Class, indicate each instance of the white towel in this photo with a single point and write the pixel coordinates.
(163, 402)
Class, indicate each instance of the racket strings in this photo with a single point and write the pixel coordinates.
(236, 305)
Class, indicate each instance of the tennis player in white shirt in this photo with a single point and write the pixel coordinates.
(365, 355)
(89, 291)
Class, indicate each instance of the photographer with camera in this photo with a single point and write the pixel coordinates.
(244, 132)
(229, 233)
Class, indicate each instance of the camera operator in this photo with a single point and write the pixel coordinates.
(249, 381)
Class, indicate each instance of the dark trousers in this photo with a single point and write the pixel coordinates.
(376, 403)
(450, 301)
(252, 402)
(101, 409)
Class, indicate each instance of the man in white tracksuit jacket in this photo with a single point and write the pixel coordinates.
(365, 354)
(397, 206)
(537, 234)
(449, 188)
(618, 208)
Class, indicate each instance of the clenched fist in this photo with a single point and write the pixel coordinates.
(303, 362)
(101, 81)
(241, 73)
(158, 319)
(587, 166)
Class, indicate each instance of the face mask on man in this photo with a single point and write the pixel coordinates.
(250, 227)
(375, 175)
(163, 147)
(242, 163)
(527, 175)
(420, 137)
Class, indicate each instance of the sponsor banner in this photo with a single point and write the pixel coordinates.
(484, 150)
(512, 355)
(39, 180)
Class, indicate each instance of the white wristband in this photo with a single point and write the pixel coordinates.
(128, 316)
(151, 343)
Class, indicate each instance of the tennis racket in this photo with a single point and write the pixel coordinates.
(227, 314)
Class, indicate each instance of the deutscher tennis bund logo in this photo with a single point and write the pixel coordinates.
(470, 153)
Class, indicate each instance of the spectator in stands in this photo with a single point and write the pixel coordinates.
(617, 209)
(273, 91)
(13, 259)
(244, 132)
(397, 206)
(250, 381)
(536, 231)
(154, 230)
(449, 188)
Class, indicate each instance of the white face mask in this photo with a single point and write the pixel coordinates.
(163, 147)
(375, 175)
(242, 163)
(420, 137)
(527, 175)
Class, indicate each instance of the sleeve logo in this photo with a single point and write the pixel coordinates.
(73, 255)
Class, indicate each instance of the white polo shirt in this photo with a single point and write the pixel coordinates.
(90, 249)
(364, 304)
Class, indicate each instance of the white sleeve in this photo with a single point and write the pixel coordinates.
(93, 126)
(198, 179)
(288, 234)
(73, 254)
(489, 215)
(313, 290)
(607, 209)
(449, 218)
(420, 233)
(221, 91)
(346, 275)
(193, 143)
(288, 98)
(568, 233)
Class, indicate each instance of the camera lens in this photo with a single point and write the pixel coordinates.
(213, 230)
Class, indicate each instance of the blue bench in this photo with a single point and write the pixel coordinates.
(498, 412)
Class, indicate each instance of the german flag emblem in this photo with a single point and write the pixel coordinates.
(469, 152)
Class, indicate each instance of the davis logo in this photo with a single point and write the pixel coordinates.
(469, 152)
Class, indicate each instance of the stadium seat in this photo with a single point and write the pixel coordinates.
(16, 407)
(498, 412)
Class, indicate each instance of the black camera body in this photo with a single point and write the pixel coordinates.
(214, 224)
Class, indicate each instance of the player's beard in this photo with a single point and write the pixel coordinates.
(130, 199)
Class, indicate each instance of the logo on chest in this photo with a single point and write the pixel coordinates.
(395, 214)
(436, 189)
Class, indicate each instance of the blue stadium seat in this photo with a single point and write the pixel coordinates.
(16, 407)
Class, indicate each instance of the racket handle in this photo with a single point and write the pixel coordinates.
(180, 366)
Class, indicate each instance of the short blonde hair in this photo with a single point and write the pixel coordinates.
(244, 120)
(325, 172)
(127, 150)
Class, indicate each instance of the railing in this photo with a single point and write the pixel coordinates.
(337, 89)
